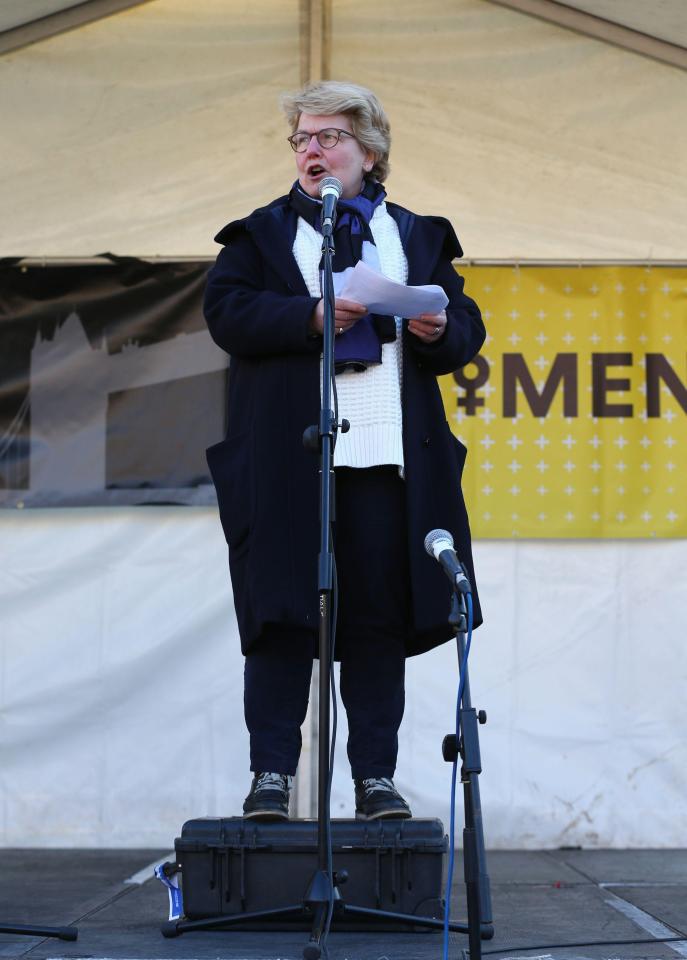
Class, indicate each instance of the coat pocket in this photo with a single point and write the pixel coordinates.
(230, 467)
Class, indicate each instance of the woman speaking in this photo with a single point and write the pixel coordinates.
(397, 470)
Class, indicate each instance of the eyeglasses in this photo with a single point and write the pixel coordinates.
(327, 138)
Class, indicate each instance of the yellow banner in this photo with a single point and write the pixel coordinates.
(574, 412)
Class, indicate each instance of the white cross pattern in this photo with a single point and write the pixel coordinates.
(627, 469)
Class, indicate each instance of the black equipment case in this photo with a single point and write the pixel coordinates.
(231, 865)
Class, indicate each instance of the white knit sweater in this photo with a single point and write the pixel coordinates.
(370, 400)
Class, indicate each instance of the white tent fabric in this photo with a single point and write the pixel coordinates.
(120, 676)
(121, 695)
(145, 132)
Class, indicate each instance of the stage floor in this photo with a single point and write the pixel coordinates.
(540, 898)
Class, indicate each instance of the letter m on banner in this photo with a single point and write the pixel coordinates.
(563, 373)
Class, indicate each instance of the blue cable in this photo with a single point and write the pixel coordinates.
(333, 621)
(452, 827)
(332, 684)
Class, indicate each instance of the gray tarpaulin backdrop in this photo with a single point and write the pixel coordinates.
(110, 385)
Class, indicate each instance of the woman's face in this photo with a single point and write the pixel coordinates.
(346, 160)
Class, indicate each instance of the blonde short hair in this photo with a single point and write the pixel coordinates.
(368, 120)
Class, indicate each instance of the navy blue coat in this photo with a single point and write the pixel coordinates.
(257, 308)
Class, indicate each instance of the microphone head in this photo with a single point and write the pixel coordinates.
(438, 540)
(332, 186)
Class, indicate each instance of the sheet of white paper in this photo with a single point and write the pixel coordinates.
(381, 295)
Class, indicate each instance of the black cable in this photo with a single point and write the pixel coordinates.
(586, 943)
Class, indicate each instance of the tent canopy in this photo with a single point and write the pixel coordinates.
(144, 132)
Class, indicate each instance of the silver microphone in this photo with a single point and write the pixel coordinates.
(439, 544)
(331, 189)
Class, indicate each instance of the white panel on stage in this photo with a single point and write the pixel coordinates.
(121, 688)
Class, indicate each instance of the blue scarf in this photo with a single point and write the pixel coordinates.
(361, 346)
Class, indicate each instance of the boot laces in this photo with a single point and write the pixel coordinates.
(280, 780)
(373, 784)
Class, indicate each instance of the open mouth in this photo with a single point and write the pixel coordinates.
(316, 170)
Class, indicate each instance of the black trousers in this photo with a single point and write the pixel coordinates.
(371, 550)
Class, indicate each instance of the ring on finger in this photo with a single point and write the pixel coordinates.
(437, 331)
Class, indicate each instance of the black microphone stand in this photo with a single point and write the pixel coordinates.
(480, 923)
(323, 894)
(29, 930)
